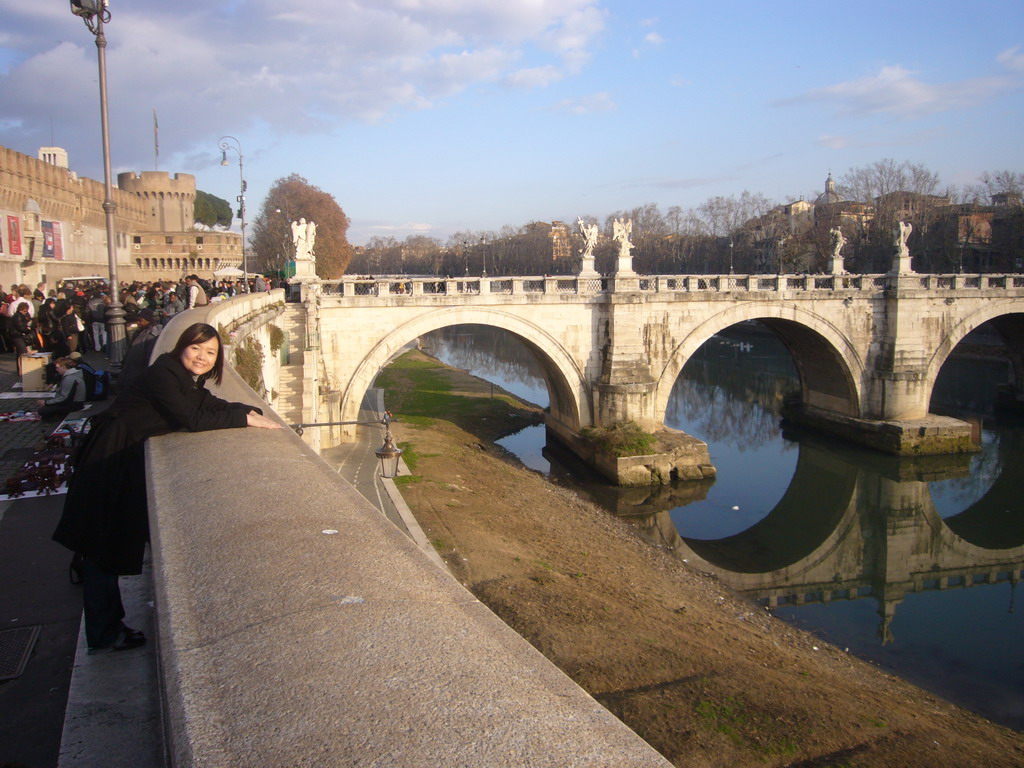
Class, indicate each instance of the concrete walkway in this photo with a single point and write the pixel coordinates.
(103, 708)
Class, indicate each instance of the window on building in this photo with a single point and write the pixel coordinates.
(169, 240)
(137, 240)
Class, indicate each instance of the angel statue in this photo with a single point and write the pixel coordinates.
(589, 232)
(621, 230)
(903, 230)
(310, 240)
(838, 241)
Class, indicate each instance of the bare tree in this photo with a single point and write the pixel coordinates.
(885, 177)
(292, 198)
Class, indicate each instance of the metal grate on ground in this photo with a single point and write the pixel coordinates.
(15, 649)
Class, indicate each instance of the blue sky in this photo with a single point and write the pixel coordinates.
(435, 116)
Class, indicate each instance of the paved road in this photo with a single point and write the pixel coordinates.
(358, 463)
(34, 592)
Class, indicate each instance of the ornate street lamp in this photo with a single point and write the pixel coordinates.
(225, 145)
(483, 252)
(95, 14)
(388, 454)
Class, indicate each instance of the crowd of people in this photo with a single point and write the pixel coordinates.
(71, 317)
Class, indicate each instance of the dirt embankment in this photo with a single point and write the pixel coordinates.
(704, 676)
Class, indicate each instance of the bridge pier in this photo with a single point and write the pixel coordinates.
(926, 436)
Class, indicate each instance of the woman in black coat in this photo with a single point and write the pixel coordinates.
(105, 517)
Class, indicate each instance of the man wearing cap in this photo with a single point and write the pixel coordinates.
(136, 358)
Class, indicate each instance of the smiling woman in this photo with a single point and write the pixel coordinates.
(105, 519)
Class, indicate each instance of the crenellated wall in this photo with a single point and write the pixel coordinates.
(168, 201)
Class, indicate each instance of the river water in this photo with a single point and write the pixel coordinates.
(911, 564)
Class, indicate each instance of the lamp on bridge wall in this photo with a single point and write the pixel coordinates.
(388, 454)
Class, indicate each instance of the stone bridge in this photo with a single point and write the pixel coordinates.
(868, 348)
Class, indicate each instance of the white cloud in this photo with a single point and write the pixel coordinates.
(1012, 59)
(833, 142)
(586, 105)
(534, 77)
(897, 91)
(226, 67)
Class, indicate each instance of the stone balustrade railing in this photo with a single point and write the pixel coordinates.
(298, 626)
(414, 288)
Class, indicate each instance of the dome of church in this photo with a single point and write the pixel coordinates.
(829, 195)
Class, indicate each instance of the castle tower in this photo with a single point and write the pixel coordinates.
(169, 202)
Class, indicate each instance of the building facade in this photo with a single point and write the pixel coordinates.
(52, 224)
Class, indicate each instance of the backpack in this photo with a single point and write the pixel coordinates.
(97, 383)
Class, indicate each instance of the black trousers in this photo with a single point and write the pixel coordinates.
(101, 600)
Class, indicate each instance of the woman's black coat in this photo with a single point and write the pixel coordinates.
(105, 515)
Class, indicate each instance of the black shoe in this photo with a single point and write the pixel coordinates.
(127, 639)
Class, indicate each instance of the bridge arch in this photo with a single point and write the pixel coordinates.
(1008, 318)
(830, 367)
(568, 391)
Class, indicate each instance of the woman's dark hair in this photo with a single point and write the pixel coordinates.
(197, 333)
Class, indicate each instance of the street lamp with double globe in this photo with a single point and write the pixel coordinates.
(225, 145)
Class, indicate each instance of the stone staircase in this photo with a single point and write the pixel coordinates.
(289, 388)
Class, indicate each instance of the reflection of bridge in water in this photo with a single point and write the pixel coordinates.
(845, 532)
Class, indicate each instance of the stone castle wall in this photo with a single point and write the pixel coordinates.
(153, 232)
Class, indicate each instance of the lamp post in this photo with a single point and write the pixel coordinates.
(387, 453)
(483, 252)
(225, 145)
(95, 14)
(287, 253)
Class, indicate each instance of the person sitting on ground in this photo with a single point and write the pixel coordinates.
(136, 358)
(70, 391)
(105, 516)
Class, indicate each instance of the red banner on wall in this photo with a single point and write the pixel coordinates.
(58, 242)
(14, 235)
(48, 239)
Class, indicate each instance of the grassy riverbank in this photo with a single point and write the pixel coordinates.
(705, 677)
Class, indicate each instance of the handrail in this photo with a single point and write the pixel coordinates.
(405, 288)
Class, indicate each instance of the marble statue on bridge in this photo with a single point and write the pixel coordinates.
(590, 233)
(835, 262)
(303, 238)
(621, 230)
(901, 264)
